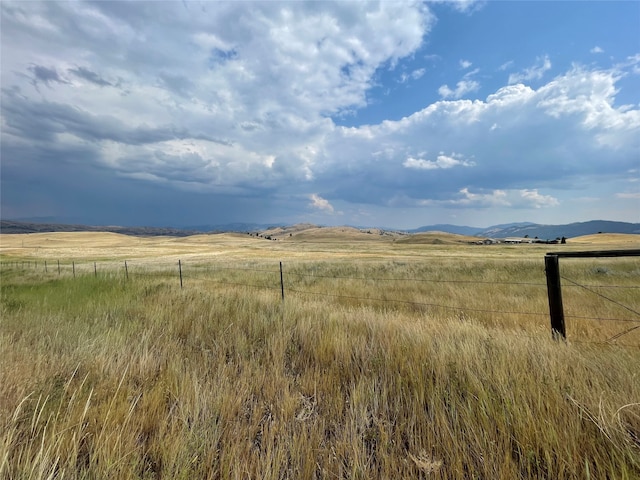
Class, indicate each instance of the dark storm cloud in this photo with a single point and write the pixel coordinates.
(194, 102)
(90, 76)
(45, 75)
(43, 120)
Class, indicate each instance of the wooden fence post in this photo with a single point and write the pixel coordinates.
(95, 270)
(73, 266)
(554, 290)
(180, 269)
(126, 270)
(45, 267)
(58, 267)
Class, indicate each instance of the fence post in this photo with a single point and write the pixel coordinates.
(95, 270)
(73, 267)
(126, 270)
(554, 290)
(180, 269)
(58, 267)
(45, 267)
(281, 282)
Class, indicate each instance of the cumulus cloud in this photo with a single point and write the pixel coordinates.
(535, 72)
(260, 87)
(535, 199)
(551, 137)
(462, 88)
(319, 203)
(210, 99)
(596, 49)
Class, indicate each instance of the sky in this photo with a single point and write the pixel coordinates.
(389, 114)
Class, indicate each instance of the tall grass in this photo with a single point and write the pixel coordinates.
(107, 378)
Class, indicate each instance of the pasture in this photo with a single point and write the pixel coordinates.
(390, 357)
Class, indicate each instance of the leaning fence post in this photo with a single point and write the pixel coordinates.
(180, 269)
(73, 266)
(281, 282)
(554, 290)
(45, 267)
(126, 270)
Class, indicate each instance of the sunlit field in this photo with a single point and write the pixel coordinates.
(388, 357)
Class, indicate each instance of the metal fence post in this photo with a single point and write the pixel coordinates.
(281, 282)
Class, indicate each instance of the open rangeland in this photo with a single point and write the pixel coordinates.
(389, 357)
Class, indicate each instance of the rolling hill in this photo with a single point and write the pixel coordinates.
(533, 230)
(521, 229)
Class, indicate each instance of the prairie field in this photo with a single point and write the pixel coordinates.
(329, 354)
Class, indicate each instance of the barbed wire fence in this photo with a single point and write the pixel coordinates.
(301, 279)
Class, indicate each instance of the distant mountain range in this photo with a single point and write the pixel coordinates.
(10, 226)
(531, 230)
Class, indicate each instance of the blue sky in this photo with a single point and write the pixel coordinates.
(394, 114)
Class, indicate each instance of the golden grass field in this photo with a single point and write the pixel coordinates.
(390, 357)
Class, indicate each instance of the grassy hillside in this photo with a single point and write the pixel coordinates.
(619, 240)
(438, 238)
(384, 361)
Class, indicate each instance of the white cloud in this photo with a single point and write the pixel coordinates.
(552, 139)
(632, 63)
(506, 65)
(270, 72)
(462, 88)
(464, 6)
(535, 72)
(535, 199)
(320, 203)
(432, 57)
(495, 198)
(441, 162)
(464, 64)
(154, 94)
(414, 75)
(596, 49)
(631, 195)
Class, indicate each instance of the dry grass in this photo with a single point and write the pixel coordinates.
(107, 378)
(620, 240)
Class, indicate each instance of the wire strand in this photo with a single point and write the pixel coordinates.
(602, 296)
(407, 302)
